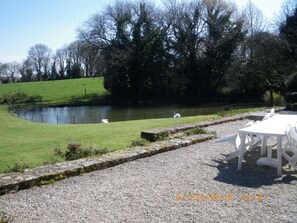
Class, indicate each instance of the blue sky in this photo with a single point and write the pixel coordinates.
(25, 23)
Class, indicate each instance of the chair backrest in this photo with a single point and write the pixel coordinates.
(290, 150)
(272, 112)
(235, 139)
(267, 116)
(250, 123)
(249, 138)
(292, 136)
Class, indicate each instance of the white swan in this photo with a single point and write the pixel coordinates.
(176, 115)
(104, 120)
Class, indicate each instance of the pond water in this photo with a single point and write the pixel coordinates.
(95, 114)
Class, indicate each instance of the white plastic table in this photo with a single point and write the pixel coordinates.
(271, 127)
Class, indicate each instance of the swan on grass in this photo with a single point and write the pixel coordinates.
(176, 115)
(104, 120)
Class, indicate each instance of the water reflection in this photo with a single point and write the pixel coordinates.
(94, 114)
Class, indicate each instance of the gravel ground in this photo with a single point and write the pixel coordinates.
(153, 189)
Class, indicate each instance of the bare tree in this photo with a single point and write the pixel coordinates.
(40, 56)
(3, 74)
(9, 71)
(92, 59)
(74, 59)
(26, 70)
(102, 28)
(75, 51)
(287, 9)
(61, 59)
(254, 23)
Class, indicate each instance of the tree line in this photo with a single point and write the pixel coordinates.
(192, 49)
(75, 60)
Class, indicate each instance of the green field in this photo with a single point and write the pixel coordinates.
(60, 91)
(33, 143)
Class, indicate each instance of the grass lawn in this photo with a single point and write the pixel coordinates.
(33, 143)
(60, 91)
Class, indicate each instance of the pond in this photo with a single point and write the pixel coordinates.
(95, 114)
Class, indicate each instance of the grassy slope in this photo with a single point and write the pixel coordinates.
(33, 143)
(61, 91)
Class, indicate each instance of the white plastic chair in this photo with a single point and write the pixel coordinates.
(269, 115)
(266, 147)
(234, 138)
(251, 141)
(272, 112)
(289, 152)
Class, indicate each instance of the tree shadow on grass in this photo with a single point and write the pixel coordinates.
(252, 175)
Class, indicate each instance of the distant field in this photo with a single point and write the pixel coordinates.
(59, 91)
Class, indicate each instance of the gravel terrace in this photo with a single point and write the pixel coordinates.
(152, 190)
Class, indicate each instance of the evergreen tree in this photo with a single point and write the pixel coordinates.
(288, 30)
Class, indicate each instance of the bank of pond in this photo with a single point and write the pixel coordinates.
(107, 113)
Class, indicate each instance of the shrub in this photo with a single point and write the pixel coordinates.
(19, 97)
(100, 151)
(291, 97)
(15, 98)
(76, 151)
(34, 98)
(17, 167)
(195, 131)
(292, 84)
(161, 136)
(58, 152)
(226, 91)
(223, 113)
(277, 98)
(139, 142)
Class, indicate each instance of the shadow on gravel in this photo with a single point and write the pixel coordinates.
(252, 175)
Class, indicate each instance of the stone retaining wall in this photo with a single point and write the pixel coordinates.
(12, 182)
(163, 133)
